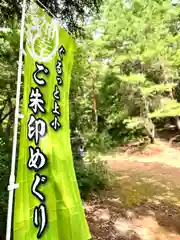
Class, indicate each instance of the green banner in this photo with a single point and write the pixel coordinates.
(47, 203)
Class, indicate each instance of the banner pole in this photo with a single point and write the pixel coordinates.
(12, 186)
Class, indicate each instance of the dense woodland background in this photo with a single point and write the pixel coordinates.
(125, 81)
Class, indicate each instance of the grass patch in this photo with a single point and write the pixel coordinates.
(135, 188)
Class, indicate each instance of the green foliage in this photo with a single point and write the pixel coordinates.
(92, 176)
(5, 159)
(158, 88)
(133, 70)
(101, 142)
(70, 12)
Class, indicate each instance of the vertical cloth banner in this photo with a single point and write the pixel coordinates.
(47, 202)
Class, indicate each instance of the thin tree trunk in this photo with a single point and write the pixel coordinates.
(177, 122)
(148, 124)
(94, 104)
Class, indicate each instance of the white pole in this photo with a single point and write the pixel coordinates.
(12, 186)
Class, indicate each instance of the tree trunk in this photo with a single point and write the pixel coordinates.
(152, 137)
(148, 124)
(177, 122)
(150, 128)
(94, 105)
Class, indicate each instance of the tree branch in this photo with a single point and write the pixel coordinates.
(7, 114)
(2, 109)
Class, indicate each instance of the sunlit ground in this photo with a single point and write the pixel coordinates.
(144, 200)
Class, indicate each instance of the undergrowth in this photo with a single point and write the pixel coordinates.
(92, 175)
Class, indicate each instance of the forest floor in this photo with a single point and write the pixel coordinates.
(144, 201)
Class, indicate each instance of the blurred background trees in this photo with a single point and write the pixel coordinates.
(132, 66)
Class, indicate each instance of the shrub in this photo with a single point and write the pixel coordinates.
(100, 142)
(92, 176)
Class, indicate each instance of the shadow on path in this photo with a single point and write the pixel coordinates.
(144, 202)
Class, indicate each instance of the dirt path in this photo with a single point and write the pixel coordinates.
(144, 202)
(159, 160)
